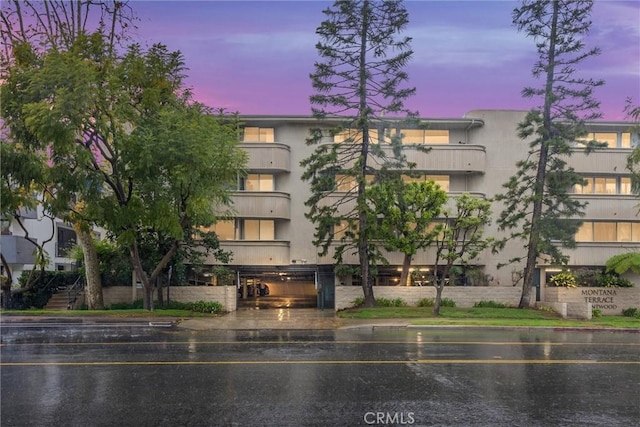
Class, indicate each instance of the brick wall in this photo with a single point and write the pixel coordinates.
(225, 295)
(464, 296)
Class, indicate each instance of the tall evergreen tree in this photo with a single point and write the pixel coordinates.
(537, 206)
(358, 80)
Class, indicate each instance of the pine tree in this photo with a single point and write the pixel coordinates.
(537, 206)
(358, 81)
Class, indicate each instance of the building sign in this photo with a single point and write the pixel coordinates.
(601, 299)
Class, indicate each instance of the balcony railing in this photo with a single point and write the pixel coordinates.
(268, 157)
(259, 204)
(256, 252)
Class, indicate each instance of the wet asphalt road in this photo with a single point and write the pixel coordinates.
(137, 375)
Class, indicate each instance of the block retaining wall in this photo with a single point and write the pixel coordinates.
(225, 295)
(610, 301)
(464, 296)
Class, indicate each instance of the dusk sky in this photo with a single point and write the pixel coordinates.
(255, 57)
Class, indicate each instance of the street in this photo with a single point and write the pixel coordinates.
(135, 374)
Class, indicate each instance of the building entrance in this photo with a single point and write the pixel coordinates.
(281, 288)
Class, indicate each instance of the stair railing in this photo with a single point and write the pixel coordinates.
(74, 291)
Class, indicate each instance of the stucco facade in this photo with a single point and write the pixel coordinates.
(475, 154)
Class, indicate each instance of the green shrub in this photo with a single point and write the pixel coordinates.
(45, 284)
(357, 302)
(631, 312)
(426, 302)
(430, 302)
(564, 279)
(136, 305)
(386, 302)
(610, 280)
(381, 302)
(447, 302)
(207, 307)
(596, 313)
(490, 304)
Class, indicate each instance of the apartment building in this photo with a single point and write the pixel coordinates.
(272, 239)
(56, 236)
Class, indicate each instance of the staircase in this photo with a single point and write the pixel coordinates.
(58, 301)
(67, 298)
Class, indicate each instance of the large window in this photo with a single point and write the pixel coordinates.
(611, 139)
(348, 183)
(66, 239)
(424, 136)
(257, 182)
(258, 229)
(355, 136)
(604, 185)
(255, 134)
(225, 230)
(609, 231)
(341, 229)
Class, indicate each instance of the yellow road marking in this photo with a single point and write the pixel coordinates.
(330, 362)
(165, 343)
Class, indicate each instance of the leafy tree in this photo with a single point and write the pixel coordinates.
(460, 239)
(404, 215)
(358, 81)
(621, 263)
(537, 207)
(23, 186)
(31, 29)
(149, 158)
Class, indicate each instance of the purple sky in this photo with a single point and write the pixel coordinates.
(255, 57)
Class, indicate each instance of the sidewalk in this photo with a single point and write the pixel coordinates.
(300, 318)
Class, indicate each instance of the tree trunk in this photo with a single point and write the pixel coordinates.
(541, 173)
(406, 264)
(93, 289)
(160, 294)
(436, 305)
(147, 288)
(6, 284)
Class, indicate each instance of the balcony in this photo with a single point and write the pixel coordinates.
(449, 159)
(270, 157)
(262, 204)
(611, 207)
(256, 252)
(17, 249)
(604, 161)
(597, 253)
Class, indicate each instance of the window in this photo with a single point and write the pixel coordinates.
(255, 229)
(355, 136)
(66, 239)
(611, 139)
(604, 185)
(424, 136)
(257, 182)
(345, 183)
(255, 134)
(225, 230)
(625, 185)
(349, 183)
(341, 229)
(609, 231)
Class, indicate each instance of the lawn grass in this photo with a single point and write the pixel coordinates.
(486, 316)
